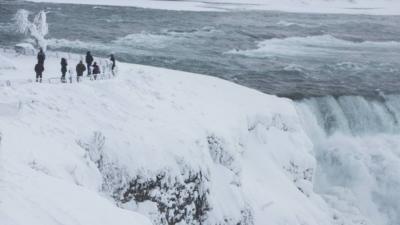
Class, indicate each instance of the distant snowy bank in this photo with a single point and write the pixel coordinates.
(182, 148)
(372, 7)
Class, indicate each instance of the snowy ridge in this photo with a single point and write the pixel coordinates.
(181, 148)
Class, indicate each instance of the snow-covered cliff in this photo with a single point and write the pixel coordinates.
(171, 145)
(181, 148)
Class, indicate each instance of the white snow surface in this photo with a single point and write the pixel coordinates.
(377, 7)
(266, 159)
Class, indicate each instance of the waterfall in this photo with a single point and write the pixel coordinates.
(357, 146)
(353, 115)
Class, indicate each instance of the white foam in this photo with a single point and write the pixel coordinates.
(321, 45)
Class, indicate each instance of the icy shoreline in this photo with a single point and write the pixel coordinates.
(367, 7)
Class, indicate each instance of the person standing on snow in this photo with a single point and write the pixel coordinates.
(112, 59)
(64, 65)
(89, 61)
(39, 70)
(96, 70)
(41, 57)
(80, 68)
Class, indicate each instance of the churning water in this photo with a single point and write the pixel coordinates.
(293, 55)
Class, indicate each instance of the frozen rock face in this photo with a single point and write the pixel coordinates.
(186, 192)
(179, 198)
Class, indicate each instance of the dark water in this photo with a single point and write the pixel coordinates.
(287, 54)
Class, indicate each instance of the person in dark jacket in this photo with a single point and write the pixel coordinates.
(64, 65)
(41, 57)
(89, 61)
(80, 68)
(112, 59)
(96, 70)
(39, 71)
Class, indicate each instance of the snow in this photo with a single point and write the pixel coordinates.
(33, 197)
(374, 7)
(71, 153)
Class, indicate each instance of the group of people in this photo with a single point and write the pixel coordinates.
(91, 66)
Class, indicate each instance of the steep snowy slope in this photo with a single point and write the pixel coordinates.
(176, 147)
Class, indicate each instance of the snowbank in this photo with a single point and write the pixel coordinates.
(375, 7)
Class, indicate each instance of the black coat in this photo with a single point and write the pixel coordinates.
(80, 68)
(41, 57)
(96, 69)
(39, 69)
(89, 59)
(64, 65)
(112, 59)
